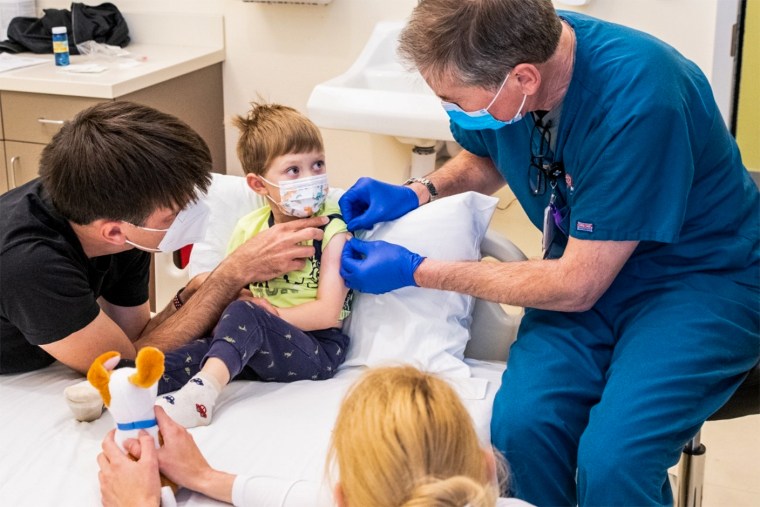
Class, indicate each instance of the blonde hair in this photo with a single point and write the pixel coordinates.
(403, 438)
(269, 131)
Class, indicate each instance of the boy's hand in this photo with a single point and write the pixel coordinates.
(247, 295)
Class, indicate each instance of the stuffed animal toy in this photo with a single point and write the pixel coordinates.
(130, 394)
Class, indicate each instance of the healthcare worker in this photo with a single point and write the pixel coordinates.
(642, 318)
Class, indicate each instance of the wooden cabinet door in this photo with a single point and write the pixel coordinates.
(3, 174)
(22, 162)
(36, 117)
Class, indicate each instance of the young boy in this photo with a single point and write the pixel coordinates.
(288, 328)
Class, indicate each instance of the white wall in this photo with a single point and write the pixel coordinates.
(282, 51)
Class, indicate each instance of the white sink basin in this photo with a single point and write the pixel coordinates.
(378, 95)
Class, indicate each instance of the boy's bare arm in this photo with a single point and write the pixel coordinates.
(324, 312)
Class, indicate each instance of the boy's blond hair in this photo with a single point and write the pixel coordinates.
(269, 131)
(403, 438)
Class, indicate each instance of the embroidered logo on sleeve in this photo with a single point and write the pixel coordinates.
(584, 226)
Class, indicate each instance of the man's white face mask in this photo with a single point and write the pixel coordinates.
(189, 227)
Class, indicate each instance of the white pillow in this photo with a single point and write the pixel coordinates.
(425, 327)
(228, 199)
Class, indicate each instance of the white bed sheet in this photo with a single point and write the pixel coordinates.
(270, 429)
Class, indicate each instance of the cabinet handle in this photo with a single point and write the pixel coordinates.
(13, 170)
(50, 122)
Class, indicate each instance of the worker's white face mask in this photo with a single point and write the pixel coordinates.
(303, 197)
(189, 227)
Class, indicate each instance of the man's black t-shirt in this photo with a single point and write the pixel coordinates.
(48, 286)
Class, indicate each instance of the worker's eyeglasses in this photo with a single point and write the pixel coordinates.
(542, 167)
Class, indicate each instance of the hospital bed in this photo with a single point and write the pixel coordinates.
(269, 429)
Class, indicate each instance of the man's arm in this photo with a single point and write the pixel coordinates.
(275, 251)
(112, 327)
(572, 283)
(136, 321)
(271, 253)
(462, 173)
(78, 350)
(190, 289)
(131, 319)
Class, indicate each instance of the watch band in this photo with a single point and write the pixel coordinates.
(428, 184)
(176, 301)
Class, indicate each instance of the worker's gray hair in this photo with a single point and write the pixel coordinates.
(476, 42)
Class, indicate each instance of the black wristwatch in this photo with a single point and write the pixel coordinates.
(428, 184)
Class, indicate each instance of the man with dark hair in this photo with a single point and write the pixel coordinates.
(641, 319)
(118, 181)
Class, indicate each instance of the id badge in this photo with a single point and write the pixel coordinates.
(548, 230)
(554, 237)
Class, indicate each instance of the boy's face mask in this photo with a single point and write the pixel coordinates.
(302, 197)
(189, 227)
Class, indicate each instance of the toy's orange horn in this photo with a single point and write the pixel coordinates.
(150, 367)
(98, 375)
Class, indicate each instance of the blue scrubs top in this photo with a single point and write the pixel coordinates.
(647, 157)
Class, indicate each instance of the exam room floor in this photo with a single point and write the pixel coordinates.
(732, 469)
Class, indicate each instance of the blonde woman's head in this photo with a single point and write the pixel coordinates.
(403, 438)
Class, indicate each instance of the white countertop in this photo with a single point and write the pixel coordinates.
(162, 63)
(156, 37)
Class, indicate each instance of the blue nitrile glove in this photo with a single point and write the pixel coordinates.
(377, 267)
(370, 201)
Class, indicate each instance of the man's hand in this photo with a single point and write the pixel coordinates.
(276, 251)
(377, 267)
(370, 201)
(124, 482)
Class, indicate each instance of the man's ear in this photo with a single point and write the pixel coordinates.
(255, 184)
(529, 78)
(111, 231)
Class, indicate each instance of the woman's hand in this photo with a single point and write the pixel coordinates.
(124, 482)
(179, 458)
(181, 461)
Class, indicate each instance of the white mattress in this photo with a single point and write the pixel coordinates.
(281, 430)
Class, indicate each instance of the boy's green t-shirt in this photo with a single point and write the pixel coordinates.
(296, 287)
